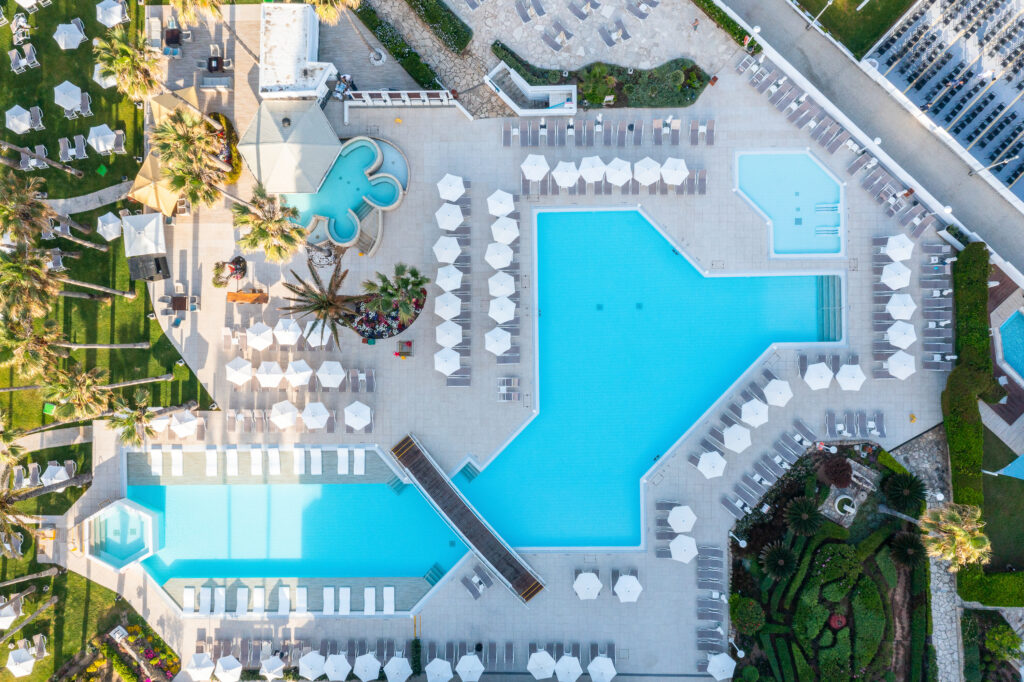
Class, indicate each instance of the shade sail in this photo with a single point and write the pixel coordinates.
(152, 189)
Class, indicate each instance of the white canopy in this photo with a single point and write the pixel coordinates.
(850, 377)
(184, 424)
(541, 665)
(647, 171)
(500, 203)
(101, 138)
(20, 662)
(272, 668)
(18, 119)
(337, 668)
(592, 169)
(68, 36)
(200, 667)
(67, 95)
(711, 464)
(108, 226)
(778, 392)
(681, 518)
(498, 255)
(568, 668)
(269, 374)
(901, 334)
(535, 167)
(497, 340)
(501, 284)
(446, 249)
(315, 416)
(448, 217)
(899, 247)
(451, 187)
(290, 146)
(565, 174)
(143, 234)
(901, 306)
(284, 414)
(9, 614)
(896, 276)
(601, 669)
(438, 670)
(367, 667)
(754, 412)
(447, 305)
(259, 336)
(358, 415)
(674, 171)
(311, 666)
(470, 668)
(228, 669)
(683, 548)
(104, 82)
(449, 277)
(448, 334)
(330, 374)
(587, 585)
(447, 361)
(721, 666)
(55, 473)
(287, 331)
(502, 310)
(110, 13)
(737, 438)
(504, 230)
(818, 376)
(397, 669)
(901, 365)
(628, 588)
(317, 334)
(618, 172)
(298, 373)
(239, 371)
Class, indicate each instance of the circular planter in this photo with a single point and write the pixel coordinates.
(845, 505)
(377, 326)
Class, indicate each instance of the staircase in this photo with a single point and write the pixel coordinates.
(829, 296)
(469, 472)
(397, 485)
(434, 574)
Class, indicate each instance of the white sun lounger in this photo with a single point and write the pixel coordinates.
(211, 460)
(389, 600)
(259, 600)
(284, 600)
(242, 601)
(298, 461)
(177, 465)
(328, 601)
(204, 600)
(273, 462)
(300, 600)
(316, 464)
(188, 600)
(231, 460)
(219, 597)
(256, 461)
(358, 461)
(156, 460)
(343, 461)
(369, 601)
(344, 601)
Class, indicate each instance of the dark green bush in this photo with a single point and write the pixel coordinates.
(750, 674)
(232, 137)
(717, 15)
(445, 24)
(393, 41)
(827, 639)
(769, 650)
(834, 662)
(810, 615)
(887, 567)
(416, 656)
(1003, 642)
(868, 622)
(835, 561)
(126, 672)
(904, 493)
(918, 634)
(890, 463)
(745, 614)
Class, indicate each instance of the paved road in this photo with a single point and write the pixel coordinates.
(923, 155)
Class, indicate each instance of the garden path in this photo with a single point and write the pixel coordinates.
(56, 438)
(92, 201)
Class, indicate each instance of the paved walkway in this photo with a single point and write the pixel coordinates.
(56, 438)
(923, 155)
(89, 202)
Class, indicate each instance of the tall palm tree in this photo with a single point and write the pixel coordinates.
(28, 286)
(271, 226)
(189, 12)
(10, 451)
(23, 217)
(134, 423)
(76, 392)
(803, 516)
(30, 351)
(188, 150)
(386, 295)
(324, 303)
(953, 533)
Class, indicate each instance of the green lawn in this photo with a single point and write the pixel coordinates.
(1004, 506)
(60, 502)
(858, 31)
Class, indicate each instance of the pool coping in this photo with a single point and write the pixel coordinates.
(997, 318)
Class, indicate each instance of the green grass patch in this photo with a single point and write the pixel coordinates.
(1004, 506)
(857, 30)
(53, 504)
(394, 43)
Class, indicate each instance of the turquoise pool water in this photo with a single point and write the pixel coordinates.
(119, 534)
(634, 346)
(291, 530)
(1011, 335)
(347, 187)
(800, 198)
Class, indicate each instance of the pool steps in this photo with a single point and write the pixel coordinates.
(829, 294)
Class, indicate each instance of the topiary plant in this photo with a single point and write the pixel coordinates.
(745, 614)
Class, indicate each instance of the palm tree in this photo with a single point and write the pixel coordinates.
(777, 560)
(324, 303)
(77, 393)
(189, 12)
(22, 215)
(134, 423)
(27, 287)
(904, 492)
(953, 533)
(10, 451)
(31, 352)
(188, 151)
(398, 294)
(803, 516)
(270, 224)
(907, 549)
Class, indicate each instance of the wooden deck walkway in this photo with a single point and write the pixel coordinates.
(473, 530)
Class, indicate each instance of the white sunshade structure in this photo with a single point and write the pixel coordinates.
(448, 277)
(721, 666)
(541, 665)
(228, 669)
(674, 171)
(628, 588)
(330, 374)
(498, 341)
(502, 310)
(711, 464)
(317, 334)
(108, 226)
(818, 376)
(110, 13)
(778, 392)
(284, 414)
(448, 334)
(298, 374)
(259, 336)
(68, 36)
(896, 276)
(438, 670)
(504, 230)
(55, 473)
(601, 669)
(67, 95)
(901, 306)
(272, 668)
(398, 669)
(9, 614)
(337, 668)
(315, 416)
(184, 424)
(448, 217)
(470, 668)
(20, 662)
(535, 167)
(290, 146)
(618, 172)
(287, 331)
(358, 415)
(143, 234)
(850, 377)
(587, 585)
(200, 667)
(239, 371)
(451, 187)
(311, 666)
(447, 306)
(18, 119)
(898, 247)
(565, 174)
(681, 518)
(568, 669)
(446, 249)
(500, 203)
(737, 438)
(901, 365)
(683, 548)
(367, 667)
(501, 284)
(104, 82)
(592, 169)
(647, 171)
(901, 334)
(447, 361)
(101, 138)
(498, 255)
(269, 374)
(754, 413)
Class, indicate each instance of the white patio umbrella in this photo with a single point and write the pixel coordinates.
(449, 277)
(535, 167)
(565, 174)
(20, 662)
(896, 276)
(269, 374)
(737, 438)
(721, 666)
(446, 361)
(541, 665)
(330, 374)
(68, 36)
(317, 334)
(9, 614)
(239, 371)
(778, 392)
(109, 13)
(447, 305)
(284, 414)
(287, 331)
(298, 373)
(358, 415)
(901, 306)
(628, 588)
(618, 172)
(200, 667)
(683, 548)
(502, 310)
(272, 668)
(818, 376)
(470, 668)
(501, 284)
(504, 230)
(259, 336)
(446, 249)
(159, 425)
(398, 669)
(451, 187)
(228, 669)
(901, 365)
(448, 334)
(18, 119)
(101, 138)
(497, 340)
(108, 226)
(681, 518)
(184, 423)
(337, 668)
(315, 416)
(367, 667)
(448, 217)
(67, 95)
(901, 334)
(754, 412)
(592, 169)
(711, 464)
(568, 669)
(498, 255)
(898, 247)
(601, 669)
(647, 171)
(55, 473)
(438, 670)
(850, 377)
(104, 82)
(674, 171)
(311, 666)
(500, 203)
(587, 585)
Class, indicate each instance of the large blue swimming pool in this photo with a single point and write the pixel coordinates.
(1011, 336)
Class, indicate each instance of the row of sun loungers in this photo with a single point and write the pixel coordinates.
(854, 425)
(712, 575)
(583, 133)
(335, 601)
(255, 454)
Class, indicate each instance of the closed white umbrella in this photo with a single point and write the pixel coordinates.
(896, 276)
(901, 306)
(674, 171)
(448, 334)
(502, 310)
(315, 416)
(18, 119)
(330, 374)
(754, 412)
(184, 424)
(298, 373)
(438, 670)
(451, 187)
(647, 171)
(592, 169)
(818, 376)
(628, 588)
(337, 668)
(104, 82)
(284, 414)
(778, 392)
(228, 669)
(850, 377)
(601, 669)
(498, 255)
(9, 614)
(108, 226)
(681, 518)
(899, 247)
(239, 371)
(587, 585)
(568, 669)
(109, 13)
(504, 230)
(449, 277)
(448, 217)
(711, 464)
(358, 415)
(287, 331)
(565, 174)
(497, 340)
(901, 365)
(501, 284)
(470, 668)
(446, 249)
(901, 334)
(367, 667)
(737, 438)
(541, 665)
(721, 666)
(447, 305)
(200, 667)
(67, 95)
(272, 668)
(447, 361)
(618, 172)
(68, 36)
(683, 548)
(535, 167)
(317, 334)
(398, 669)
(269, 374)
(259, 336)
(20, 662)
(101, 138)
(311, 666)
(500, 203)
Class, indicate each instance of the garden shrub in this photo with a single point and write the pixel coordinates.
(804, 672)
(827, 639)
(750, 674)
(836, 470)
(887, 567)
(890, 463)
(745, 614)
(394, 43)
(805, 565)
(769, 650)
(834, 662)
(835, 561)
(868, 622)
(446, 24)
(993, 589)
(837, 590)
(231, 134)
(727, 24)
(810, 616)
(416, 656)
(1003, 642)
(871, 543)
(785, 664)
(918, 634)
(126, 672)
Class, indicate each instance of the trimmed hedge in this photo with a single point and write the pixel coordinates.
(918, 634)
(804, 672)
(887, 567)
(890, 463)
(769, 650)
(834, 662)
(718, 15)
(394, 43)
(970, 296)
(784, 661)
(868, 622)
(993, 589)
(446, 24)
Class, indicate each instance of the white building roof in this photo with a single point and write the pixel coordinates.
(289, 46)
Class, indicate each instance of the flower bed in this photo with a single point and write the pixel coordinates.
(374, 325)
(230, 153)
(394, 43)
